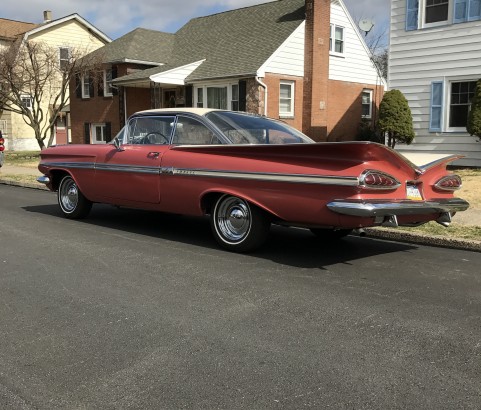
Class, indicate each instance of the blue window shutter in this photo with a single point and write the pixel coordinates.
(412, 7)
(460, 11)
(474, 10)
(436, 117)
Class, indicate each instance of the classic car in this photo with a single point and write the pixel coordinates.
(247, 172)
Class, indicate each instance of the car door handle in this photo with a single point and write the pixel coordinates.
(153, 154)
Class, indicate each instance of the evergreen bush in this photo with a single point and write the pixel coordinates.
(395, 118)
(474, 117)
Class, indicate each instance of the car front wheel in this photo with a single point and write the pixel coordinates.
(237, 225)
(72, 202)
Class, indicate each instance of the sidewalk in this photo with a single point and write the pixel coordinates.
(12, 175)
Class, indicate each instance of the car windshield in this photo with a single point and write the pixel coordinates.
(242, 128)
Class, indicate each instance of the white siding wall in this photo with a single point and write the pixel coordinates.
(69, 34)
(289, 57)
(419, 57)
(355, 66)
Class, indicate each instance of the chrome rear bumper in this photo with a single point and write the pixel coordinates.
(374, 208)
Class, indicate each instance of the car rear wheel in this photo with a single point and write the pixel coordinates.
(237, 225)
(72, 202)
(330, 234)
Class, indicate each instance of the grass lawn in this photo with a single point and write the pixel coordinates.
(22, 158)
(471, 190)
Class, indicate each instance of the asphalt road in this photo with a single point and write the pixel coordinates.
(130, 309)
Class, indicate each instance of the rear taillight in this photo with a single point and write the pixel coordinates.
(449, 183)
(378, 180)
(2, 147)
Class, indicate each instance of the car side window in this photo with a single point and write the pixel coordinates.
(190, 131)
(150, 130)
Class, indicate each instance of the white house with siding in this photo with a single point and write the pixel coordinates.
(434, 60)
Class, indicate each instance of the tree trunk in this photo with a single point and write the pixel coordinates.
(52, 135)
(38, 137)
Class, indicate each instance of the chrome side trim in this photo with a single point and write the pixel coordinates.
(74, 165)
(127, 168)
(104, 167)
(448, 158)
(44, 179)
(387, 208)
(267, 176)
(253, 176)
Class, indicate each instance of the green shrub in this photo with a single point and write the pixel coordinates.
(367, 132)
(395, 118)
(474, 117)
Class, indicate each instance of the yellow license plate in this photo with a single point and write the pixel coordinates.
(413, 193)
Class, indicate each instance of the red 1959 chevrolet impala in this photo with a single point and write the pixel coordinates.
(247, 172)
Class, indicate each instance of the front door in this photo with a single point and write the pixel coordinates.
(169, 99)
(132, 175)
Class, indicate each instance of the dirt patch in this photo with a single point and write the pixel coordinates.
(471, 190)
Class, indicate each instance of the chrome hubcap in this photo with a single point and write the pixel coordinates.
(233, 219)
(69, 196)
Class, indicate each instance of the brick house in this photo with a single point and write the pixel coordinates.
(301, 61)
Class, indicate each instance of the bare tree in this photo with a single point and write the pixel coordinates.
(35, 85)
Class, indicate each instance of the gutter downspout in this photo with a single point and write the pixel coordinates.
(265, 93)
(125, 105)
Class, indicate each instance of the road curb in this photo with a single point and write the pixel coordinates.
(23, 184)
(421, 239)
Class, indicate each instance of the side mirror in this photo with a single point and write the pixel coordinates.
(117, 145)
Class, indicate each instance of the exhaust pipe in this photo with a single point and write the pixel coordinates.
(360, 232)
(445, 219)
(390, 221)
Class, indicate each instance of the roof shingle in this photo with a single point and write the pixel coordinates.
(11, 29)
(233, 43)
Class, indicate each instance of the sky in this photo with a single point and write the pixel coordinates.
(116, 18)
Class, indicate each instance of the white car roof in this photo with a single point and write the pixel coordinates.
(198, 111)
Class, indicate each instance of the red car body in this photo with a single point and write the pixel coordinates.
(330, 188)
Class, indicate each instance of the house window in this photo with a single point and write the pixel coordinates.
(217, 97)
(436, 11)
(235, 97)
(64, 57)
(460, 103)
(85, 86)
(108, 91)
(200, 97)
(27, 101)
(366, 101)
(336, 39)
(99, 136)
(224, 96)
(286, 99)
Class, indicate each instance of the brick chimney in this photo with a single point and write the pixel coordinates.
(47, 16)
(316, 69)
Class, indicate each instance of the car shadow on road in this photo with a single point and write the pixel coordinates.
(287, 246)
